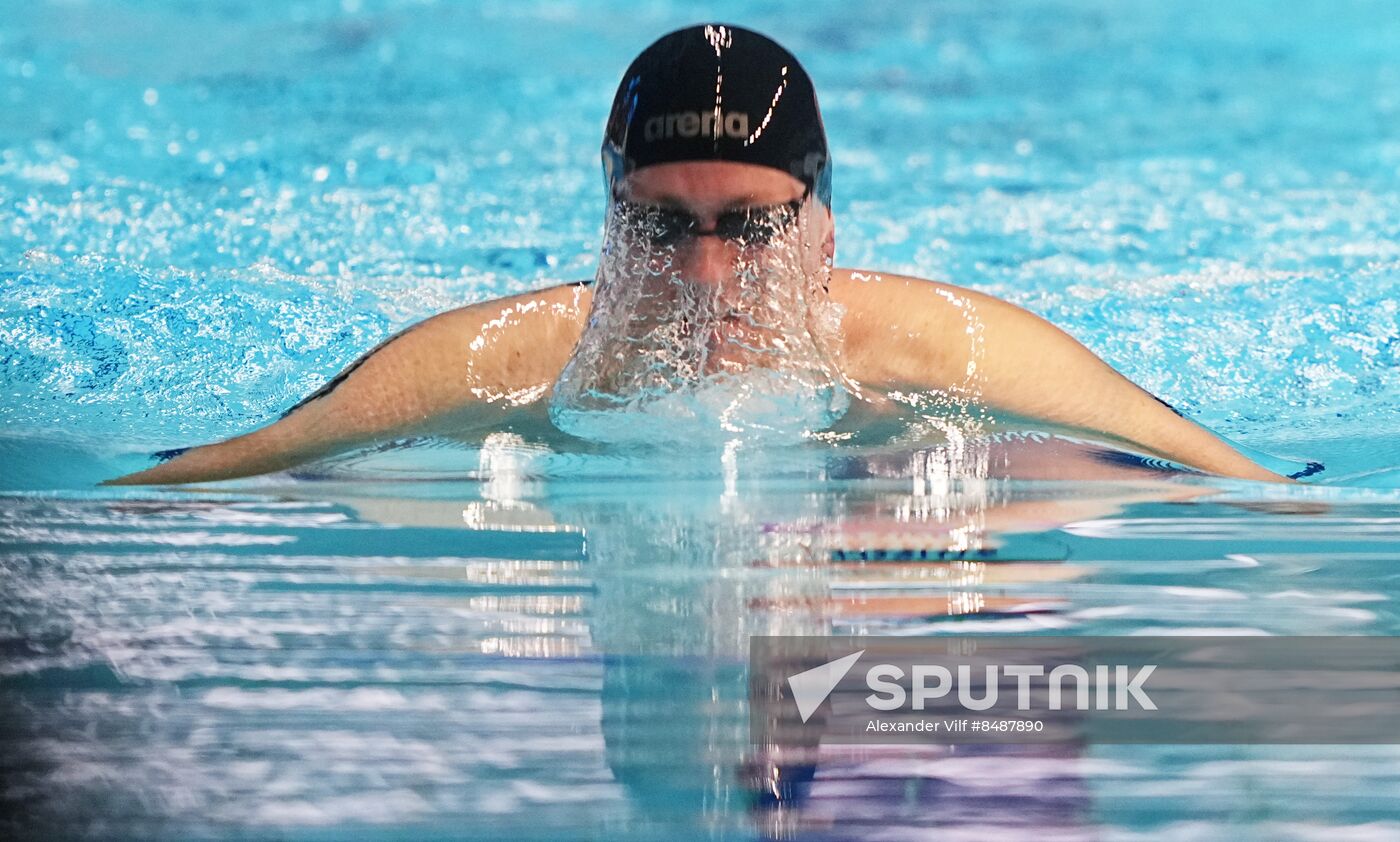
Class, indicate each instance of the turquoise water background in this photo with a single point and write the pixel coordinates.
(208, 209)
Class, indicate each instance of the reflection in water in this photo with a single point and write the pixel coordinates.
(685, 574)
(559, 649)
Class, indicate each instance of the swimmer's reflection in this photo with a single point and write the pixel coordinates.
(684, 575)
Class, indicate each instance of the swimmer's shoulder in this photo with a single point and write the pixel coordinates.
(530, 333)
(528, 322)
(863, 290)
(897, 324)
(567, 302)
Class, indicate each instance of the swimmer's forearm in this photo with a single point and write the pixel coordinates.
(1141, 421)
(1076, 388)
(320, 429)
(1112, 404)
(303, 438)
(1048, 374)
(1188, 443)
(260, 452)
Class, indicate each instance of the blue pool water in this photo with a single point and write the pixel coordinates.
(207, 210)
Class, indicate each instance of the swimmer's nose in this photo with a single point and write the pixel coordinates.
(709, 260)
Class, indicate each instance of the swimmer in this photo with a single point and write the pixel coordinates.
(716, 273)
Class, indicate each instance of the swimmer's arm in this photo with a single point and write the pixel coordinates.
(474, 368)
(1024, 365)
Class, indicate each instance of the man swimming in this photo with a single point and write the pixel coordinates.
(716, 308)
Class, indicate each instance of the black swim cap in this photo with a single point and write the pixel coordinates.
(718, 93)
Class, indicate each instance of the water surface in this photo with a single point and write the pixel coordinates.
(206, 210)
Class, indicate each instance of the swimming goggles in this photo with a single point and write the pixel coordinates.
(751, 226)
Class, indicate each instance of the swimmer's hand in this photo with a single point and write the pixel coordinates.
(908, 333)
(484, 367)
